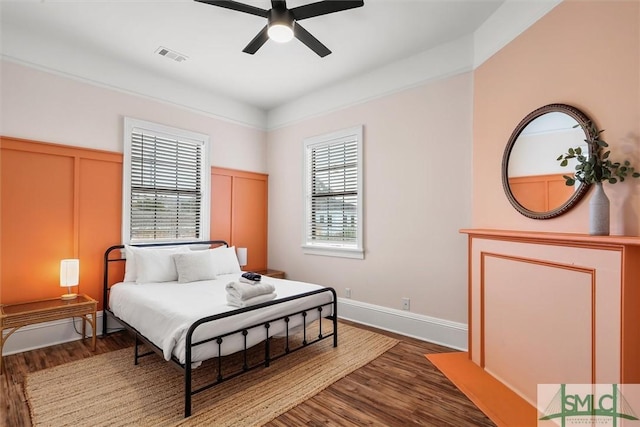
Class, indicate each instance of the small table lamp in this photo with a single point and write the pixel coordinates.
(69, 276)
(242, 256)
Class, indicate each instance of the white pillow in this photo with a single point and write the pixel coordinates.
(156, 265)
(130, 265)
(194, 266)
(130, 270)
(225, 260)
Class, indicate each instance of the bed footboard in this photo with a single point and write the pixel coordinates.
(331, 308)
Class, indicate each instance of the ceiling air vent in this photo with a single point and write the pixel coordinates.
(178, 57)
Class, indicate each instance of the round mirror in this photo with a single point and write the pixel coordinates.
(531, 174)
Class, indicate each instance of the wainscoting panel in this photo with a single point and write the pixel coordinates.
(66, 202)
(239, 212)
(57, 202)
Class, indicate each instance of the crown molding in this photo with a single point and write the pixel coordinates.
(118, 76)
(510, 20)
(442, 61)
(505, 24)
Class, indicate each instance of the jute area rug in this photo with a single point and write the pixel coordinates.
(109, 390)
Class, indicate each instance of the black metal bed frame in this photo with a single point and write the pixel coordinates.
(186, 367)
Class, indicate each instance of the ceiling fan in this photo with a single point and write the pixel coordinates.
(282, 23)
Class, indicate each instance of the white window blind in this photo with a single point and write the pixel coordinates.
(334, 194)
(167, 185)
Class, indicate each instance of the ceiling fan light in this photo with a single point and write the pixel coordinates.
(280, 33)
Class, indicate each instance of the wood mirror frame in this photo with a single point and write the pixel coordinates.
(583, 120)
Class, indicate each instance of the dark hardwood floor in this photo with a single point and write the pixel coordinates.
(400, 388)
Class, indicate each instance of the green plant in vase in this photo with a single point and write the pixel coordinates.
(595, 167)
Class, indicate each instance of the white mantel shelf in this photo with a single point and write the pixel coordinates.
(554, 308)
(550, 237)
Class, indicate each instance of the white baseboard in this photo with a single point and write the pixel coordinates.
(431, 329)
(48, 333)
(438, 331)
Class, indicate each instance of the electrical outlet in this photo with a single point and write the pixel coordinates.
(347, 292)
(405, 303)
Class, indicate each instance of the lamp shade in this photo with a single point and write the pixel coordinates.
(242, 256)
(69, 276)
(69, 272)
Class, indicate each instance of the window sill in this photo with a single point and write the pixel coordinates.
(333, 251)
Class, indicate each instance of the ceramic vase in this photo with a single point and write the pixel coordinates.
(599, 212)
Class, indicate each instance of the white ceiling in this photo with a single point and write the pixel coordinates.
(96, 39)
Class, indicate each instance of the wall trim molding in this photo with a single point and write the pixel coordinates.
(187, 98)
(448, 59)
(425, 328)
(510, 20)
(431, 329)
(440, 62)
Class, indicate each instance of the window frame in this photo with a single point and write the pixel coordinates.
(327, 248)
(205, 165)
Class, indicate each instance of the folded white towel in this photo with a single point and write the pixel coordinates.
(244, 291)
(231, 300)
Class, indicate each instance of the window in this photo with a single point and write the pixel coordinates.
(166, 183)
(333, 202)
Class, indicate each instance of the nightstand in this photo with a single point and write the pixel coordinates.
(271, 273)
(15, 316)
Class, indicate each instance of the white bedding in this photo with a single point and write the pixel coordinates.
(163, 312)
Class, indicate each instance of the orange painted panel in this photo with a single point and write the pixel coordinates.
(249, 228)
(531, 195)
(559, 193)
(37, 223)
(99, 219)
(541, 193)
(49, 196)
(221, 207)
(62, 202)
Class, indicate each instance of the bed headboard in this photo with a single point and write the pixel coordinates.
(109, 258)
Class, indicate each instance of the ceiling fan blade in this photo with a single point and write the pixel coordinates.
(234, 5)
(323, 8)
(257, 41)
(312, 43)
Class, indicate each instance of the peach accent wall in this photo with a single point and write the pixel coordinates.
(583, 53)
(417, 181)
(66, 202)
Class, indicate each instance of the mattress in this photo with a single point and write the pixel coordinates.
(163, 313)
